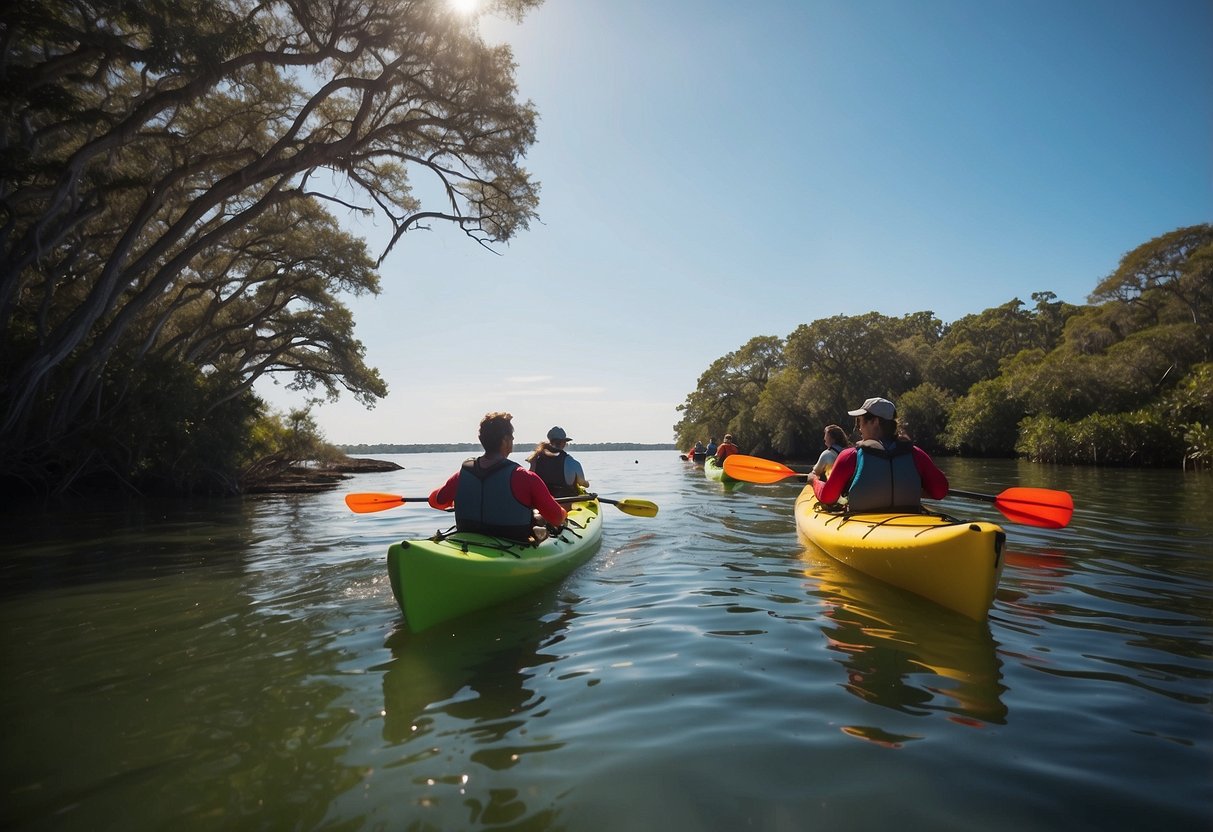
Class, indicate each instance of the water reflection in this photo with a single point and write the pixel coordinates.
(177, 702)
(121, 540)
(467, 692)
(225, 666)
(904, 653)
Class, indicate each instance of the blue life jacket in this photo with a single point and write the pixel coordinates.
(550, 468)
(485, 503)
(885, 478)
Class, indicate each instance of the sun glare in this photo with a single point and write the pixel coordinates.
(464, 7)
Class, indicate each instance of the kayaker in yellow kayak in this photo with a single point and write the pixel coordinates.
(836, 441)
(495, 495)
(884, 471)
(561, 473)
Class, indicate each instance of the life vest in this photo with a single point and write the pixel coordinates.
(885, 478)
(485, 503)
(724, 449)
(550, 468)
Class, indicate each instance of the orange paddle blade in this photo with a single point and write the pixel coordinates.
(756, 469)
(1036, 506)
(1042, 507)
(368, 502)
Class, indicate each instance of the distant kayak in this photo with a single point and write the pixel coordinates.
(952, 562)
(442, 578)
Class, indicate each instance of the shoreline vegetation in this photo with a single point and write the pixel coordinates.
(1125, 380)
(309, 479)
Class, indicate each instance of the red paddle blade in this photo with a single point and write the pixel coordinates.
(1036, 506)
(366, 503)
(755, 469)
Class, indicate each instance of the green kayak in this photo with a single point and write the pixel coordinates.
(450, 575)
(713, 471)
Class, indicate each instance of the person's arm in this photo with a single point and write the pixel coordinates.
(531, 491)
(840, 475)
(444, 497)
(823, 462)
(574, 474)
(934, 481)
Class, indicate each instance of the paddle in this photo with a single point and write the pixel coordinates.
(634, 507)
(1042, 507)
(368, 502)
(1031, 506)
(757, 469)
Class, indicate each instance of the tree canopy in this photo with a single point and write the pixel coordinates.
(1121, 380)
(167, 171)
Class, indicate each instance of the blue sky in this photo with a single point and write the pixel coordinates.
(714, 171)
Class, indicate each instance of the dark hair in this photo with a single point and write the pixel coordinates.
(838, 436)
(495, 427)
(889, 429)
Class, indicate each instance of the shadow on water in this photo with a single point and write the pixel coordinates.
(120, 539)
(905, 653)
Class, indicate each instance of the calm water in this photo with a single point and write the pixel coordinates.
(242, 665)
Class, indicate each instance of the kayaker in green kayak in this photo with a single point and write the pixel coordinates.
(725, 448)
(495, 495)
(561, 473)
(884, 471)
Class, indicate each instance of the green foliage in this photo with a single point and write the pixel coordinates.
(164, 169)
(1199, 441)
(973, 348)
(1116, 383)
(728, 393)
(1143, 437)
(1190, 405)
(1168, 278)
(923, 413)
(277, 442)
(985, 421)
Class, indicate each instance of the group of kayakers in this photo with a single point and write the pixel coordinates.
(494, 495)
(700, 452)
(883, 470)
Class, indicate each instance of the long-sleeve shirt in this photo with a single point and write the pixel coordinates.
(526, 487)
(934, 481)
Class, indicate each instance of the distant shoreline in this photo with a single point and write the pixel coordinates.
(473, 446)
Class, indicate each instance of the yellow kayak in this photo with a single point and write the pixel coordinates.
(954, 563)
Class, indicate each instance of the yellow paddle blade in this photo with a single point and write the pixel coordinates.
(756, 469)
(636, 508)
